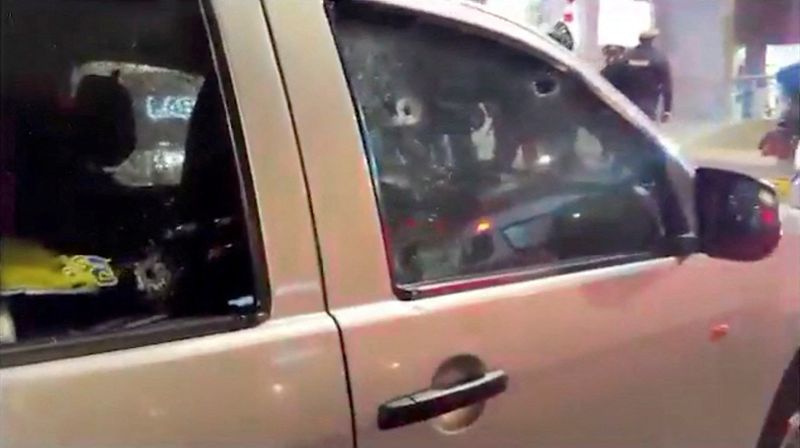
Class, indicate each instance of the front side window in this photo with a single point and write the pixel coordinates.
(489, 160)
(122, 206)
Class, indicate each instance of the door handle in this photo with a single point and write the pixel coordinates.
(429, 403)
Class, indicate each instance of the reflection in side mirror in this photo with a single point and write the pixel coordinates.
(739, 216)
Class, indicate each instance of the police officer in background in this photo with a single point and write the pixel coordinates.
(643, 75)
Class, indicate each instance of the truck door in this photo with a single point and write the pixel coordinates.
(495, 229)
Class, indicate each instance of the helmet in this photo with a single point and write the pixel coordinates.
(561, 34)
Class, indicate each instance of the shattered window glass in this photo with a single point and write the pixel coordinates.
(487, 160)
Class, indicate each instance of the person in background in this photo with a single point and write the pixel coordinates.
(613, 53)
(643, 74)
(789, 80)
(783, 141)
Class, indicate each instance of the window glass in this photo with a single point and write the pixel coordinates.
(163, 100)
(121, 202)
(486, 159)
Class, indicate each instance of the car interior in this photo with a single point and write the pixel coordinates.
(165, 252)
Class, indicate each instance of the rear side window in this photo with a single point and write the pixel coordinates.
(122, 203)
(489, 161)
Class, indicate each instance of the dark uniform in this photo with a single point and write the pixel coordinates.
(643, 75)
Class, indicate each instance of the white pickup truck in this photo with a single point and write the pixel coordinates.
(342, 263)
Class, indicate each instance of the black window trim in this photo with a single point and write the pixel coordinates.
(476, 282)
(24, 353)
(253, 227)
(672, 245)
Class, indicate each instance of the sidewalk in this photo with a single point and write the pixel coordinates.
(736, 135)
(730, 146)
(686, 132)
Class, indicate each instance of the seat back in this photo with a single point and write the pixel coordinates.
(105, 129)
(209, 180)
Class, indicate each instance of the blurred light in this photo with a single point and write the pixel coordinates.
(169, 106)
(769, 216)
(544, 159)
(241, 302)
(173, 158)
(277, 388)
(576, 215)
(483, 226)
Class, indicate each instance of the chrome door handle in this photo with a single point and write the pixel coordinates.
(429, 403)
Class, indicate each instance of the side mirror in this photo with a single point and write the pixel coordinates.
(739, 216)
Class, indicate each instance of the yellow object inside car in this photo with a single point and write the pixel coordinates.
(28, 268)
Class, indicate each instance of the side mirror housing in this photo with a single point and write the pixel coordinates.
(738, 215)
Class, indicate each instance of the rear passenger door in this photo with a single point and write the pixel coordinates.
(496, 239)
(159, 284)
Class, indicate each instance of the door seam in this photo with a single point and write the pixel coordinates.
(317, 248)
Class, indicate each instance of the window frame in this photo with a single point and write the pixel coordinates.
(559, 59)
(24, 353)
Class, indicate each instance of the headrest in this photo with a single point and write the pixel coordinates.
(105, 127)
